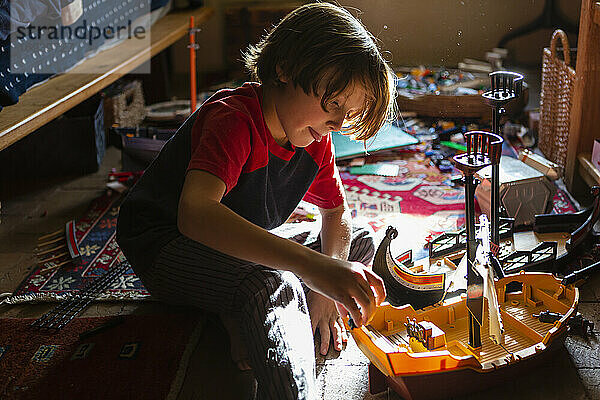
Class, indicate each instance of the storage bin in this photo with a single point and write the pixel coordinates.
(71, 145)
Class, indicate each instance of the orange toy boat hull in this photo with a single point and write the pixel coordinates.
(453, 367)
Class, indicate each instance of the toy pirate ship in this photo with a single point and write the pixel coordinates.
(488, 329)
(490, 333)
(552, 244)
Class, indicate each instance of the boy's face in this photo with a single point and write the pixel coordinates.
(302, 120)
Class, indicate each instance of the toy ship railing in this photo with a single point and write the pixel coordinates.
(522, 260)
(528, 260)
(505, 86)
(483, 149)
(449, 243)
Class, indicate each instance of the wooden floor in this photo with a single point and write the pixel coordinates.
(575, 373)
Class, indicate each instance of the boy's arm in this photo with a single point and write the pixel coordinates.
(336, 231)
(203, 218)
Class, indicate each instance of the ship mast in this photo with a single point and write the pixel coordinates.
(482, 148)
(505, 86)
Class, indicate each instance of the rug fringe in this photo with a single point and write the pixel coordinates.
(53, 297)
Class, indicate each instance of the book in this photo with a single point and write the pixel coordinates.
(381, 169)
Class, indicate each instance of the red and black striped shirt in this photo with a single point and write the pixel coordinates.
(227, 137)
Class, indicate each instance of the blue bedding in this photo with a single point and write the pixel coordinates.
(40, 59)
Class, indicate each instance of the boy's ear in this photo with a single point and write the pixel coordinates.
(280, 75)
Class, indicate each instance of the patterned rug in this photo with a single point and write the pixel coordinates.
(419, 189)
(128, 358)
(420, 202)
(95, 236)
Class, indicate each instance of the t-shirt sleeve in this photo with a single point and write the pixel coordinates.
(327, 190)
(221, 145)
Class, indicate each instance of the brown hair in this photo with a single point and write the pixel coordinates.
(325, 50)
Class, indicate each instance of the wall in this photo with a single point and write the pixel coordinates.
(211, 39)
(443, 32)
(427, 32)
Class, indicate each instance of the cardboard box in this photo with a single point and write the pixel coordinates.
(524, 191)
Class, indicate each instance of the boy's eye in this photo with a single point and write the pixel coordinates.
(334, 104)
(351, 114)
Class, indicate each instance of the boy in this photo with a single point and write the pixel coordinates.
(195, 226)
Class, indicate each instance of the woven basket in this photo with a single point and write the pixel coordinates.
(124, 105)
(558, 80)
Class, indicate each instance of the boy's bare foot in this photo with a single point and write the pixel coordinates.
(239, 353)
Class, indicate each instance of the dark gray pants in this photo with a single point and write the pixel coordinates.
(269, 305)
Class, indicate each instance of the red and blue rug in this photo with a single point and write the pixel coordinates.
(129, 357)
(95, 234)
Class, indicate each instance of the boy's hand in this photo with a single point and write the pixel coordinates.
(356, 289)
(325, 317)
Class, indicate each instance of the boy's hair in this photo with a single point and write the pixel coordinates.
(324, 49)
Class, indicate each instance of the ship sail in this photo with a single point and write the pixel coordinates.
(484, 267)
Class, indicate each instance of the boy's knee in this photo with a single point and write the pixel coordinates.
(363, 232)
(264, 286)
(362, 248)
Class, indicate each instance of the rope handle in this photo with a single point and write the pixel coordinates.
(559, 33)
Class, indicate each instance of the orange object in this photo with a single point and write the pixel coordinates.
(422, 371)
(192, 47)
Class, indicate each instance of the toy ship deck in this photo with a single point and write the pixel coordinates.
(419, 367)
